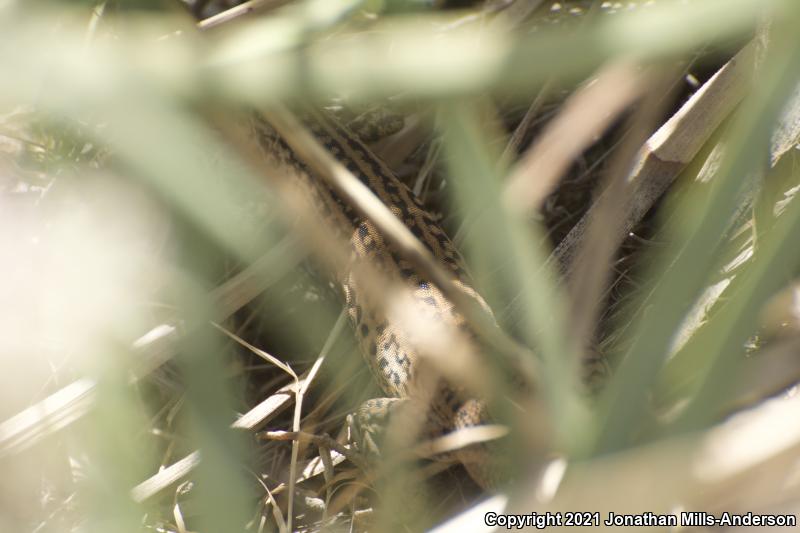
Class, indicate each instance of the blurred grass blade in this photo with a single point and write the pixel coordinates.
(500, 244)
(671, 148)
(153, 349)
(416, 56)
(222, 489)
(586, 115)
(718, 352)
(117, 460)
(701, 222)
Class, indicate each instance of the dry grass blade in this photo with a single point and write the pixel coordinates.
(585, 115)
(259, 352)
(321, 465)
(592, 269)
(52, 414)
(672, 147)
(515, 141)
(179, 521)
(253, 419)
(298, 409)
(165, 478)
(270, 406)
(460, 438)
(155, 348)
(365, 202)
(245, 8)
(276, 513)
(319, 440)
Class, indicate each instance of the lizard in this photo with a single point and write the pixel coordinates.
(387, 348)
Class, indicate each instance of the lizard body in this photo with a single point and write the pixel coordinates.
(388, 349)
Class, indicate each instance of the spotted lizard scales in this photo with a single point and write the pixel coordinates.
(387, 348)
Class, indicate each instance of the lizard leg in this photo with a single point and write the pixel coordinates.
(368, 424)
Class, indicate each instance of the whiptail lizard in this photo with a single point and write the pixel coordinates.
(387, 348)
